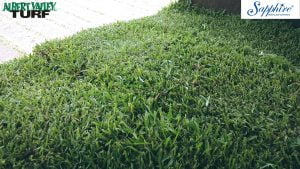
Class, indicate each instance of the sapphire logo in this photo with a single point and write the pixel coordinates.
(270, 9)
(280, 9)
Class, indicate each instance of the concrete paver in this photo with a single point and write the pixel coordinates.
(18, 36)
(8, 51)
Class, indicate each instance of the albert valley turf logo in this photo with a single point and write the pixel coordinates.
(29, 9)
(270, 9)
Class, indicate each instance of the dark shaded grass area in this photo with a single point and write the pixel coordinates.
(181, 89)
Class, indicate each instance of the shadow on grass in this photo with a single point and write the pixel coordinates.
(281, 37)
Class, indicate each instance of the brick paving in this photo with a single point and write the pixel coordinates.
(19, 36)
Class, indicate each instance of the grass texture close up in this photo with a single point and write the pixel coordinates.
(186, 88)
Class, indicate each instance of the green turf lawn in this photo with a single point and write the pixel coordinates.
(181, 89)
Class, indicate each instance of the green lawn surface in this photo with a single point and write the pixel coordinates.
(186, 88)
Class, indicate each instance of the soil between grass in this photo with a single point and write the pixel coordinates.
(181, 89)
